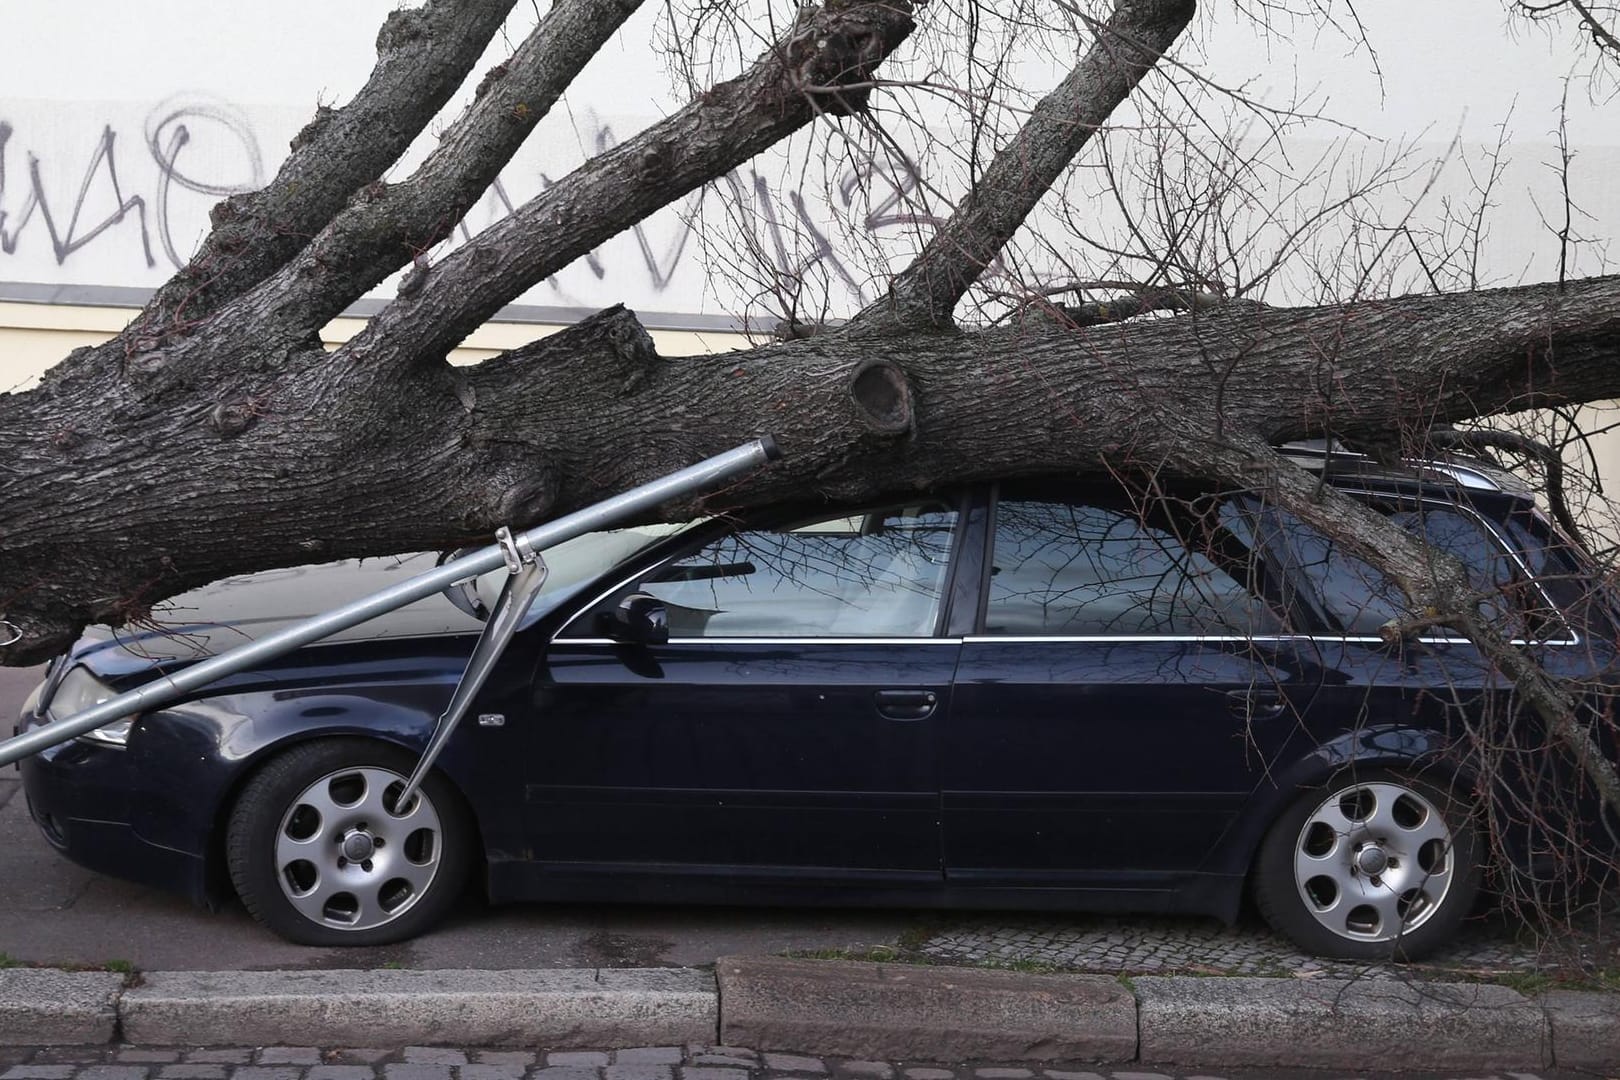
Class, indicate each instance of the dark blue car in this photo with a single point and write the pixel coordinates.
(1046, 694)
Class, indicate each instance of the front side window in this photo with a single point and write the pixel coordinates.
(1099, 568)
(879, 573)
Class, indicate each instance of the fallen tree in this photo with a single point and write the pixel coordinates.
(216, 436)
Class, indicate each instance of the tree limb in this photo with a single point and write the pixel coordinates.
(1097, 312)
(424, 55)
(1435, 583)
(1127, 46)
(387, 225)
(1550, 459)
(823, 65)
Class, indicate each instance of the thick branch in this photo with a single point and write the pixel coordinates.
(386, 226)
(1127, 47)
(1477, 439)
(822, 66)
(1097, 312)
(424, 54)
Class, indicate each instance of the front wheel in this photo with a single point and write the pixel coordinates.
(1376, 867)
(321, 854)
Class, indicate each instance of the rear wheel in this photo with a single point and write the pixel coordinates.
(1371, 867)
(320, 853)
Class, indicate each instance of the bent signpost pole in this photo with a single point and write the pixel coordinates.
(166, 689)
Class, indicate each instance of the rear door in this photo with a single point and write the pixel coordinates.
(1131, 677)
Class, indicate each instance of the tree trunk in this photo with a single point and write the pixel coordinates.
(118, 495)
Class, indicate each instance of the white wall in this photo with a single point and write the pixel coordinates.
(120, 124)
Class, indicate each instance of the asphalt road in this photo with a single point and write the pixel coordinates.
(53, 912)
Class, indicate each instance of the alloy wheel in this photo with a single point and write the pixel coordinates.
(1374, 861)
(348, 858)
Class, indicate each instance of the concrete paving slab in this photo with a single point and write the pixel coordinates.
(555, 1008)
(1585, 1028)
(42, 1007)
(910, 1012)
(1364, 1025)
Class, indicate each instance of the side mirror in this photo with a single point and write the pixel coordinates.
(640, 619)
(464, 595)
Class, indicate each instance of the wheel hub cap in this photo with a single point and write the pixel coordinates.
(358, 846)
(1372, 860)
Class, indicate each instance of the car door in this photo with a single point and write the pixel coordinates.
(1131, 677)
(786, 727)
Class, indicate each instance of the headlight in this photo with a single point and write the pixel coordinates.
(80, 690)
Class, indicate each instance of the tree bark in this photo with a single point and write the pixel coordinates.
(113, 504)
(424, 55)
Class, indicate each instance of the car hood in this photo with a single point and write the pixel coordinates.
(236, 610)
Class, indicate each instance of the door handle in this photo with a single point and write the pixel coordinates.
(1255, 704)
(906, 704)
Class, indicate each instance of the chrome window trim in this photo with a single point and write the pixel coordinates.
(796, 640)
(1121, 639)
(1140, 639)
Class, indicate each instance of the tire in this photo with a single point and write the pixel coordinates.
(1372, 866)
(317, 855)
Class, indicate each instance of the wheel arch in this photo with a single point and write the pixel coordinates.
(1421, 752)
(216, 868)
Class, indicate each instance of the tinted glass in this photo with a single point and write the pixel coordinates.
(875, 574)
(1066, 567)
(1361, 600)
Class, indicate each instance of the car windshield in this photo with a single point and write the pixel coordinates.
(574, 562)
(234, 610)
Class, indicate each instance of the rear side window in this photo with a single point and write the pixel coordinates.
(1098, 568)
(1361, 601)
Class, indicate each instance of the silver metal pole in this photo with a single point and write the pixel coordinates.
(526, 574)
(161, 691)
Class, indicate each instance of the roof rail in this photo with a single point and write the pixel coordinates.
(1467, 472)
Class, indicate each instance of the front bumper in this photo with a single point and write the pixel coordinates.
(88, 801)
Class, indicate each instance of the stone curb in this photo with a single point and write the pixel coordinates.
(1373, 1024)
(1585, 1028)
(559, 1008)
(69, 1008)
(903, 1012)
(831, 1007)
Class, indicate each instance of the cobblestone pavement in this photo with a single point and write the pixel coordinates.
(640, 1063)
(1148, 945)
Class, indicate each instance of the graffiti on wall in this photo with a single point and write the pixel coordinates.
(91, 205)
(73, 218)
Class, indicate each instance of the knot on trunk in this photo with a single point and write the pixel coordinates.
(231, 418)
(400, 28)
(491, 77)
(318, 123)
(838, 46)
(882, 396)
(518, 487)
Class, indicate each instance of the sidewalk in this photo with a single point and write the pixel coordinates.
(694, 1062)
(831, 1008)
